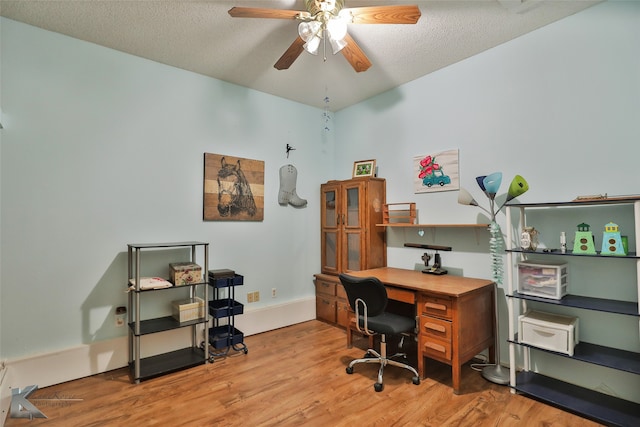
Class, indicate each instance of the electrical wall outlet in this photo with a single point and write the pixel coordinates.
(249, 296)
(121, 314)
(273, 292)
(256, 296)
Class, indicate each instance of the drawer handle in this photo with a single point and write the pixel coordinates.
(324, 301)
(435, 347)
(434, 327)
(434, 306)
(544, 333)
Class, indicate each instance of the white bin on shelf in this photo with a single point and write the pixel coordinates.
(549, 331)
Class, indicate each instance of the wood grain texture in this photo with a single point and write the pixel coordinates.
(291, 377)
(290, 55)
(258, 12)
(396, 14)
(354, 54)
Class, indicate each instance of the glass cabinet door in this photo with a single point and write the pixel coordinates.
(330, 224)
(352, 243)
(353, 207)
(353, 251)
(329, 207)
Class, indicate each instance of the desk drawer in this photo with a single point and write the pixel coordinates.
(435, 328)
(402, 295)
(435, 348)
(325, 288)
(436, 306)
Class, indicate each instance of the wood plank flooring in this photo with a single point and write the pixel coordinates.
(290, 377)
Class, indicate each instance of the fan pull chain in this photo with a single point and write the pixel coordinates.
(324, 44)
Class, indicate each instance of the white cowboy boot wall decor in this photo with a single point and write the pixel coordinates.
(287, 193)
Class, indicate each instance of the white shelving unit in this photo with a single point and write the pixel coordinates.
(591, 404)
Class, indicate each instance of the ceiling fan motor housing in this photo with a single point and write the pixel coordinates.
(332, 7)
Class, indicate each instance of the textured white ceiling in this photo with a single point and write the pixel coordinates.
(200, 36)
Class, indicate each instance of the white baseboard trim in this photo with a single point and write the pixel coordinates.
(276, 316)
(90, 359)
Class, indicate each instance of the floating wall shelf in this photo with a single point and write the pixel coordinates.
(405, 225)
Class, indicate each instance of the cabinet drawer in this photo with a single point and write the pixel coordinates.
(343, 314)
(437, 306)
(435, 328)
(435, 348)
(325, 288)
(340, 292)
(326, 309)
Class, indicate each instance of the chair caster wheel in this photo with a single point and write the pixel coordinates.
(349, 370)
(416, 380)
(378, 386)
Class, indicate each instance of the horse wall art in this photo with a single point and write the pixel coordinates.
(233, 188)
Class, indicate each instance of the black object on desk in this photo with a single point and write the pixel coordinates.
(436, 268)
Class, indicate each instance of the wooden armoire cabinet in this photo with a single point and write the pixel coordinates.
(350, 240)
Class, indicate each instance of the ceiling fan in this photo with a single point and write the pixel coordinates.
(326, 20)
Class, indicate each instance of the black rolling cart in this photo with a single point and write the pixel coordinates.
(223, 308)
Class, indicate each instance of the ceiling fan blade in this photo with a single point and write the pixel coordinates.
(290, 55)
(355, 55)
(401, 14)
(258, 12)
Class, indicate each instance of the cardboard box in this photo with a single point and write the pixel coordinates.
(548, 280)
(549, 331)
(188, 309)
(185, 273)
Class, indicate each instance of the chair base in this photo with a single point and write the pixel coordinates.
(382, 359)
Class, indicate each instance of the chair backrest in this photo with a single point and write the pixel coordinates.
(369, 289)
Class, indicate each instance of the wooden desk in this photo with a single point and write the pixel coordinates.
(455, 315)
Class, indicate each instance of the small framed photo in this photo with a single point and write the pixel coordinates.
(364, 168)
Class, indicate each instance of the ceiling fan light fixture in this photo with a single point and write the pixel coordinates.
(312, 45)
(310, 33)
(337, 31)
(309, 29)
(337, 45)
(337, 28)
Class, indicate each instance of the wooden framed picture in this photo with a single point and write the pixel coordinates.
(364, 168)
(233, 188)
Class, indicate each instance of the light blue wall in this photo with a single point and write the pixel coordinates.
(561, 107)
(1, 119)
(101, 149)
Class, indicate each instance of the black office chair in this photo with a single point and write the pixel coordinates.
(368, 299)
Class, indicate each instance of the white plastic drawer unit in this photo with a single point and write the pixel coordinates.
(549, 331)
(548, 280)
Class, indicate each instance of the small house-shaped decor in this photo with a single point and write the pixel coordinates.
(583, 243)
(611, 240)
